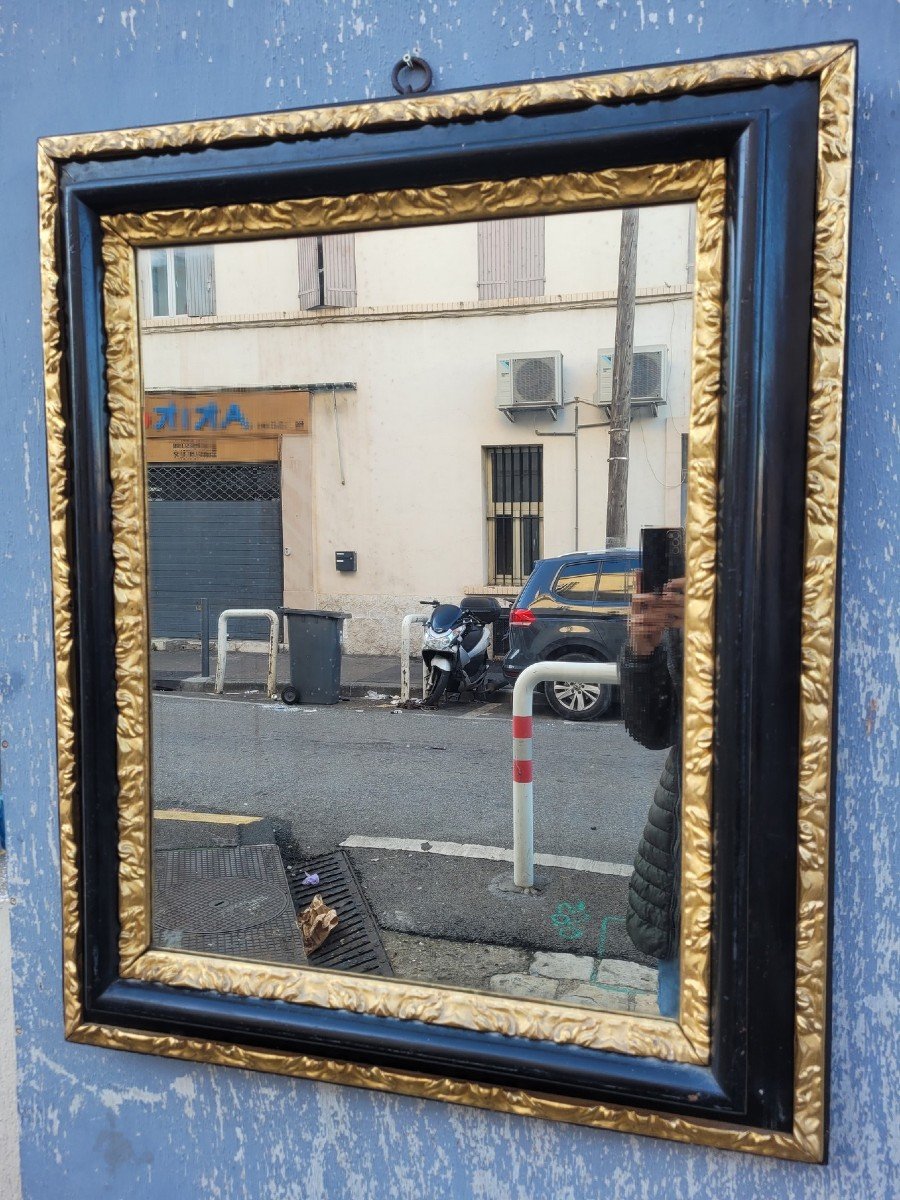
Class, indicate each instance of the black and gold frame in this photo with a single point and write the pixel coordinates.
(762, 144)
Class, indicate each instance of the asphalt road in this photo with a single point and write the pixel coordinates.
(369, 771)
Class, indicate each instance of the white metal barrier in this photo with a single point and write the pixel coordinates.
(406, 626)
(523, 767)
(222, 642)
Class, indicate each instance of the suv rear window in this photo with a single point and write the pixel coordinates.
(576, 582)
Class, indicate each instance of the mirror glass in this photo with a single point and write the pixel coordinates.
(366, 443)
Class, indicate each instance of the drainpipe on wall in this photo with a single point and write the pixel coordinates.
(574, 434)
(337, 434)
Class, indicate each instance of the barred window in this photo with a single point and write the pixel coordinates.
(515, 510)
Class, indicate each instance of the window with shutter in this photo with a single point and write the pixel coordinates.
(308, 250)
(182, 281)
(511, 258)
(200, 283)
(327, 271)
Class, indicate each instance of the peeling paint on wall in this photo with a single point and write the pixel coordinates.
(100, 1124)
(9, 1124)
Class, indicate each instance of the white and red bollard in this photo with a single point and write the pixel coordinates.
(523, 764)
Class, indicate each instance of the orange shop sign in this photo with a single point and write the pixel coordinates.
(201, 416)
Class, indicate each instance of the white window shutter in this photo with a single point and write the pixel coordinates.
(308, 264)
(145, 285)
(511, 258)
(200, 281)
(493, 260)
(339, 257)
(527, 256)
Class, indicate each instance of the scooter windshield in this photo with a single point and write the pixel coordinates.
(444, 617)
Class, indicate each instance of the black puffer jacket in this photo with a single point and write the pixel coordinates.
(651, 707)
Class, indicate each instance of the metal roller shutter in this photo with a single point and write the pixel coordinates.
(215, 531)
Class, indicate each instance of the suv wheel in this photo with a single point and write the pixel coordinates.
(578, 701)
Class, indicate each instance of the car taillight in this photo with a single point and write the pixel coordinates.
(521, 616)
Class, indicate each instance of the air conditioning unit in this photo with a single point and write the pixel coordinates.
(528, 382)
(648, 382)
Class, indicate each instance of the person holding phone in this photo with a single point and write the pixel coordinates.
(650, 681)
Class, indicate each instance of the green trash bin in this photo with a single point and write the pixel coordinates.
(314, 641)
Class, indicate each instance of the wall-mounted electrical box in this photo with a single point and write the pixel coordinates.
(345, 560)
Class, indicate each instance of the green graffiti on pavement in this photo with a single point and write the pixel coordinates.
(570, 920)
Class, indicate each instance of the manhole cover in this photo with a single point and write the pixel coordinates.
(231, 900)
(219, 905)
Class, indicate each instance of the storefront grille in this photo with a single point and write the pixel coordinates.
(213, 481)
(214, 534)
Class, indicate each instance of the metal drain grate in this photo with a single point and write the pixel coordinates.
(356, 944)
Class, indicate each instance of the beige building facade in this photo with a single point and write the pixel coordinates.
(397, 386)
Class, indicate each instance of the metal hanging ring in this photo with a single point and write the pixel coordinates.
(411, 62)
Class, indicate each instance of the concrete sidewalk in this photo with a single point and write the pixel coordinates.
(179, 670)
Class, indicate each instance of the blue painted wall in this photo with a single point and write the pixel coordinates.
(100, 1124)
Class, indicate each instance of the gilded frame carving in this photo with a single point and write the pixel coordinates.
(833, 68)
(703, 182)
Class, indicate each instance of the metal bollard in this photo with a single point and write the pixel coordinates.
(523, 767)
(204, 637)
(222, 643)
(406, 625)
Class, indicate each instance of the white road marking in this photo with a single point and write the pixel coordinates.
(207, 698)
(492, 853)
(478, 717)
(278, 706)
(487, 712)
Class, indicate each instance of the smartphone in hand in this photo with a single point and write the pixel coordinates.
(662, 557)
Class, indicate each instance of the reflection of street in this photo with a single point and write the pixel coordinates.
(421, 803)
(334, 772)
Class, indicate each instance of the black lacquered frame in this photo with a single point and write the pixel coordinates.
(769, 133)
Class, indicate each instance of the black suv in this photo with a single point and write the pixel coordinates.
(574, 607)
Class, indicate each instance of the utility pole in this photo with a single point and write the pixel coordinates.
(623, 362)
